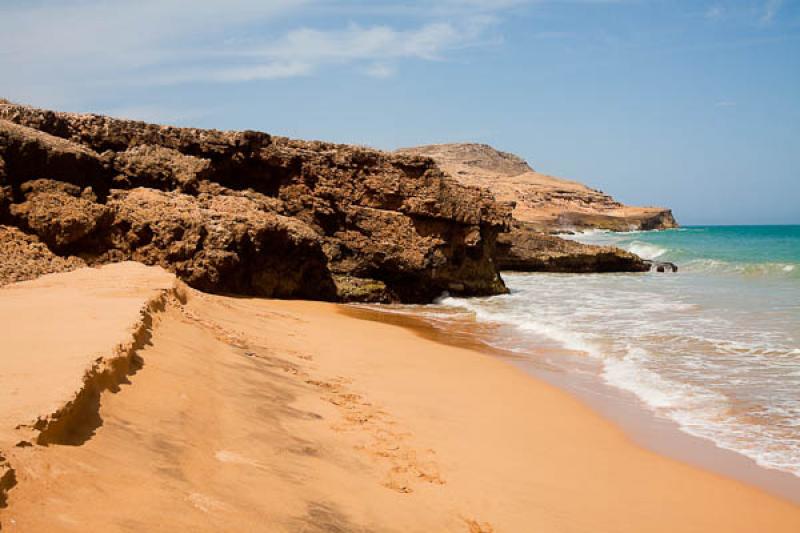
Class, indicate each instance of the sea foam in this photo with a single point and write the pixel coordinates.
(719, 355)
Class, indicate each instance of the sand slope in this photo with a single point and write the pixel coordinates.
(61, 333)
(257, 415)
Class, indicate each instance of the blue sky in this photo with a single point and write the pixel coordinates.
(689, 104)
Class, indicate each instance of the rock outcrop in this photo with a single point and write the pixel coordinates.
(551, 204)
(246, 212)
(528, 250)
(24, 257)
(543, 205)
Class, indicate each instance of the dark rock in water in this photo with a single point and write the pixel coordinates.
(662, 266)
(525, 248)
(246, 212)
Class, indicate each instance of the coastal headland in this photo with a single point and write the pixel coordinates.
(256, 214)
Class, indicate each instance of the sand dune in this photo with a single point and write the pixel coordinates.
(258, 415)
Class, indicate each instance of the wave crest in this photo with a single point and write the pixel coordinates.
(746, 269)
(646, 250)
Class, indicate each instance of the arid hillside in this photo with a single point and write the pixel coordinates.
(547, 202)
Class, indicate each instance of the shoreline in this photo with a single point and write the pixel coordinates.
(619, 407)
(247, 414)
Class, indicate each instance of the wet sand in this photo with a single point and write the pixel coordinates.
(620, 407)
(257, 415)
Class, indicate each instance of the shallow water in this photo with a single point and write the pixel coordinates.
(714, 347)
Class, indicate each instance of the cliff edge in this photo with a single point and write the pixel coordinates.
(542, 205)
(243, 212)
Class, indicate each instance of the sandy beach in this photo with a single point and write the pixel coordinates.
(237, 414)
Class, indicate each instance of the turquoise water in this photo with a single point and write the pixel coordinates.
(714, 347)
(744, 249)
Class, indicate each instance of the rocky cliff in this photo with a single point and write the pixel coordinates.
(244, 212)
(542, 205)
(550, 204)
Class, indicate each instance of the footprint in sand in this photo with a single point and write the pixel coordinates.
(225, 456)
(206, 503)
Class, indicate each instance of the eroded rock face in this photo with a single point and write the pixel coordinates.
(543, 205)
(526, 249)
(246, 212)
(160, 168)
(5, 190)
(25, 257)
(59, 213)
(217, 243)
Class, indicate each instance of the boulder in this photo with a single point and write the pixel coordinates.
(661, 266)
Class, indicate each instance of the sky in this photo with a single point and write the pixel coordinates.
(692, 105)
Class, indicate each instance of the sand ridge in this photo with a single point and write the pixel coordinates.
(66, 338)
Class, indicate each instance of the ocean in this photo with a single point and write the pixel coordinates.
(714, 348)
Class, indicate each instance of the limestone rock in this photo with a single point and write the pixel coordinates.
(246, 212)
(25, 257)
(57, 214)
(160, 168)
(221, 244)
(524, 248)
(5, 190)
(31, 155)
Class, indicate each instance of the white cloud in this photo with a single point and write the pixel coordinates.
(428, 42)
(725, 103)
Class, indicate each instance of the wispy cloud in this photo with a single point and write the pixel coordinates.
(167, 42)
(770, 10)
(380, 70)
(715, 12)
(355, 42)
(57, 51)
(303, 51)
(725, 103)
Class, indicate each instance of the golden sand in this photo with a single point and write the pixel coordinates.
(257, 415)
